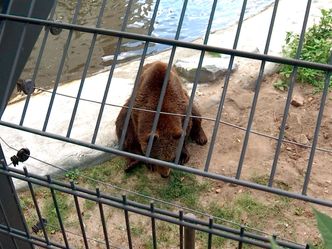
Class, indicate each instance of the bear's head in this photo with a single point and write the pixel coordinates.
(165, 139)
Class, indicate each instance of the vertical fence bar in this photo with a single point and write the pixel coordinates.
(241, 236)
(165, 83)
(79, 214)
(102, 217)
(153, 226)
(109, 80)
(11, 209)
(124, 199)
(316, 134)
(181, 229)
(40, 218)
(189, 235)
(85, 70)
(210, 234)
(193, 91)
(224, 91)
(35, 72)
(55, 202)
(62, 63)
(257, 90)
(289, 96)
(139, 72)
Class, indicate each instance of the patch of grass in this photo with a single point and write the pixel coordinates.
(148, 244)
(167, 234)
(137, 230)
(217, 242)
(106, 171)
(183, 187)
(49, 211)
(251, 206)
(73, 175)
(227, 213)
(260, 179)
(179, 187)
(264, 180)
(88, 204)
(316, 48)
(26, 202)
(244, 209)
(28, 208)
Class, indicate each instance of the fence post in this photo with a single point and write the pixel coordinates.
(15, 48)
(10, 211)
(189, 235)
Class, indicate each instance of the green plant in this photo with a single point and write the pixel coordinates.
(316, 48)
(49, 211)
(73, 175)
(214, 54)
(274, 244)
(324, 224)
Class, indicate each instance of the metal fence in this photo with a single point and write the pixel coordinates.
(28, 20)
(14, 235)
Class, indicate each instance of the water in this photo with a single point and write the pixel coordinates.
(194, 26)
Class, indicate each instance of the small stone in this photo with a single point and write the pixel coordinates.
(310, 99)
(218, 190)
(297, 100)
(289, 148)
(302, 139)
(326, 135)
(212, 68)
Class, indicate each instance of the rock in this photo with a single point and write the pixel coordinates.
(302, 139)
(271, 68)
(326, 135)
(218, 190)
(248, 80)
(297, 100)
(212, 68)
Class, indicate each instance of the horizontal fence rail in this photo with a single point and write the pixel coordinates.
(240, 235)
(183, 44)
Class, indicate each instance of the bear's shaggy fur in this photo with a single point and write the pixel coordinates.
(169, 128)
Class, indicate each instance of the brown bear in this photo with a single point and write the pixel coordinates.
(169, 128)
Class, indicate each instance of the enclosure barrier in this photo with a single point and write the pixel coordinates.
(187, 223)
(19, 234)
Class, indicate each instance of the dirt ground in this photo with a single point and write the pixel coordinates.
(300, 128)
(293, 159)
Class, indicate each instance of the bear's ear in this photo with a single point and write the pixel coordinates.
(155, 137)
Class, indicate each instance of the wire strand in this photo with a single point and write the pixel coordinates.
(201, 117)
(98, 240)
